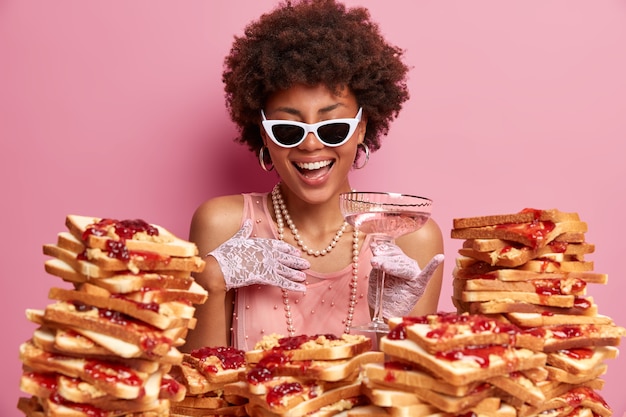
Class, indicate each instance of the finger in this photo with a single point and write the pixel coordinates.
(386, 249)
(286, 284)
(432, 265)
(290, 274)
(294, 262)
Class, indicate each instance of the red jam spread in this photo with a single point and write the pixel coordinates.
(581, 303)
(295, 342)
(576, 396)
(85, 409)
(258, 375)
(229, 357)
(277, 393)
(45, 380)
(152, 306)
(566, 332)
(578, 353)
(479, 354)
(170, 386)
(112, 373)
(535, 231)
(125, 229)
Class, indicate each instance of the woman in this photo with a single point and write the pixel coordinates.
(312, 86)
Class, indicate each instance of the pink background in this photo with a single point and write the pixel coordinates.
(115, 109)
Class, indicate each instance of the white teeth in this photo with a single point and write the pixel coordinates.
(313, 165)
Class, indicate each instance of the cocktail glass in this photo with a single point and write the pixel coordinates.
(384, 216)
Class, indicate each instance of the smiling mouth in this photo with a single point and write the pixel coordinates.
(314, 169)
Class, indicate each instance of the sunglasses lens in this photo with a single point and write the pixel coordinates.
(288, 134)
(334, 133)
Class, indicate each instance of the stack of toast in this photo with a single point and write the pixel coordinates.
(450, 364)
(204, 372)
(315, 376)
(529, 269)
(105, 346)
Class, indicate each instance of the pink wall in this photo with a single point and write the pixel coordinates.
(116, 109)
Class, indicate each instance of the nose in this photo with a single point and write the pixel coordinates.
(311, 142)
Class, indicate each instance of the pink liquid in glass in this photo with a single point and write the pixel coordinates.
(390, 223)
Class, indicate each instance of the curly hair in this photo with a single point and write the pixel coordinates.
(314, 42)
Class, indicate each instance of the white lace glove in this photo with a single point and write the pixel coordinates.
(404, 283)
(247, 261)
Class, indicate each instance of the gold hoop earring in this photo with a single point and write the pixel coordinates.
(262, 160)
(366, 150)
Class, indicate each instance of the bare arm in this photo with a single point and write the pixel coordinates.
(422, 245)
(213, 223)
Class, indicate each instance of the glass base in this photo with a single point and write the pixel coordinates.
(372, 327)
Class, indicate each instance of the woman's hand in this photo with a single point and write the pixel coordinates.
(247, 261)
(405, 282)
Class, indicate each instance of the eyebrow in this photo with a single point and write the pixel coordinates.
(295, 112)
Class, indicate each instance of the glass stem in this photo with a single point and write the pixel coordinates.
(379, 318)
(378, 311)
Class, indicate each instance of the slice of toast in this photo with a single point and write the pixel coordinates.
(519, 386)
(540, 320)
(321, 370)
(113, 324)
(195, 382)
(563, 376)
(291, 401)
(78, 391)
(581, 361)
(310, 347)
(133, 261)
(405, 376)
(465, 366)
(582, 306)
(72, 343)
(483, 270)
(565, 286)
(122, 382)
(150, 313)
(118, 283)
(569, 401)
(580, 336)
(219, 364)
(136, 234)
(511, 256)
(446, 331)
(526, 215)
(536, 234)
(562, 301)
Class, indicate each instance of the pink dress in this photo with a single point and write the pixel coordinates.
(323, 309)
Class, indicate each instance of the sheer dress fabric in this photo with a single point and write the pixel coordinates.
(259, 309)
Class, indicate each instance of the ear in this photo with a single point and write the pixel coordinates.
(362, 129)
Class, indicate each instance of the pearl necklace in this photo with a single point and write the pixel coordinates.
(280, 210)
(278, 203)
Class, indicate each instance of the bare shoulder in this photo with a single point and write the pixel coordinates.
(424, 243)
(215, 221)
